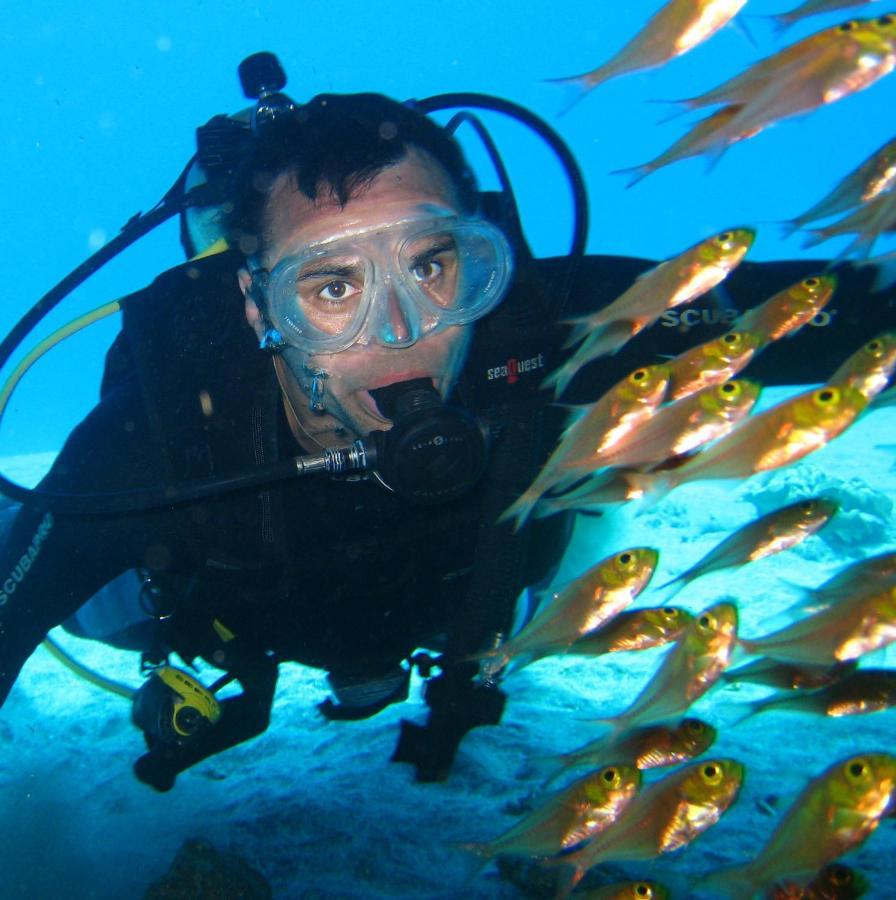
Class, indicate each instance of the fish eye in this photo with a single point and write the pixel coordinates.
(856, 768)
(730, 387)
(839, 875)
(712, 773)
(624, 558)
(639, 375)
(670, 612)
(643, 890)
(885, 20)
(610, 775)
(707, 622)
(827, 396)
(725, 236)
(695, 726)
(848, 26)
(731, 337)
(811, 282)
(873, 346)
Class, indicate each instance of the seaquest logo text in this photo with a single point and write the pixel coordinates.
(513, 368)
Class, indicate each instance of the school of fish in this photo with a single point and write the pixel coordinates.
(691, 418)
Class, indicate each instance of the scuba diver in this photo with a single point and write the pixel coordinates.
(372, 319)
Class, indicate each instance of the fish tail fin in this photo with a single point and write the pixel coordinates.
(521, 508)
(648, 487)
(577, 86)
(559, 379)
(735, 883)
(684, 107)
(477, 857)
(570, 873)
(578, 331)
(740, 24)
(635, 174)
(779, 24)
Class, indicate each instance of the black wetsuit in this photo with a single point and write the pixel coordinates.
(340, 574)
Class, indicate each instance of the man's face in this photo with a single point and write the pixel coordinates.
(294, 221)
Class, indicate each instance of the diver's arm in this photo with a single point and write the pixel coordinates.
(50, 563)
(856, 313)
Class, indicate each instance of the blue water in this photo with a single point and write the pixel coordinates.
(101, 102)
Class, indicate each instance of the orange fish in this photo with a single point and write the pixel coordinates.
(869, 369)
(577, 813)
(855, 626)
(772, 533)
(768, 440)
(678, 27)
(581, 606)
(690, 668)
(665, 816)
(836, 812)
(813, 8)
(820, 70)
(681, 427)
(650, 747)
(875, 176)
(634, 629)
(788, 310)
(672, 283)
(629, 403)
(710, 363)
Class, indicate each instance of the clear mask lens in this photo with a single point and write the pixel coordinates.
(390, 285)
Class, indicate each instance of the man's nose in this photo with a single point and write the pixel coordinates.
(400, 323)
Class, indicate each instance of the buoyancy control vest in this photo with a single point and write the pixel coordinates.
(212, 403)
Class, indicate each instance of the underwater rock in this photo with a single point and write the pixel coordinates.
(200, 872)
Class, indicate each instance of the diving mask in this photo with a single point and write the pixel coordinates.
(391, 283)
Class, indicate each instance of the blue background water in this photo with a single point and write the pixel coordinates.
(99, 114)
(101, 102)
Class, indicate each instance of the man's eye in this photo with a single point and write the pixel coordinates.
(427, 271)
(336, 290)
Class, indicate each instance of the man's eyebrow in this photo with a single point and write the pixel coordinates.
(329, 269)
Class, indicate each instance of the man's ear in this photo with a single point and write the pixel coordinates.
(253, 313)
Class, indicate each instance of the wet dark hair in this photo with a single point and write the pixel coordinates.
(336, 143)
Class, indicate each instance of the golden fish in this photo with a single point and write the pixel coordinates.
(772, 533)
(673, 282)
(789, 309)
(650, 747)
(577, 813)
(847, 59)
(634, 629)
(699, 140)
(581, 606)
(804, 55)
(833, 882)
(626, 890)
(683, 426)
(854, 627)
(788, 676)
(835, 812)
(665, 816)
(676, 28)
(629, 403)
(869, 369)
(858, 692)
(813, 8)
(867, 222)
(875, 176)
(776, 437)
(710, 363)
(866, 575)
(690, 668)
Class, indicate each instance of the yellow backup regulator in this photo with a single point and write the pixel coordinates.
(171, 705)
